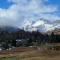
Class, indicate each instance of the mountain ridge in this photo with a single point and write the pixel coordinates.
(41, 25)
(8, 29)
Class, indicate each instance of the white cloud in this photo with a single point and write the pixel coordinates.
(26, 10)
(9, 16)
(50, 17)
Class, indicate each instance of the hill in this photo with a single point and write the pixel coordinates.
(9, 29)
(56, 31)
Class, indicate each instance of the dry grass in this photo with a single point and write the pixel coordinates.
(31, 54)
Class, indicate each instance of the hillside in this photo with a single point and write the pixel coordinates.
(8, 29)
(56, 31)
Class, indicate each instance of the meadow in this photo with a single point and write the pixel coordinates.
(29, 54)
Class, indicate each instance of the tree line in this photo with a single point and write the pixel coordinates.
(30, 37)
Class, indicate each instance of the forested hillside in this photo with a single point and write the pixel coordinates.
(26, 38)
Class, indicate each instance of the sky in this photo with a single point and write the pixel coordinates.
(16, 12)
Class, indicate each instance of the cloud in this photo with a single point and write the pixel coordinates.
(50, 17)
(22, 10)
(34, 6)
(7, 17)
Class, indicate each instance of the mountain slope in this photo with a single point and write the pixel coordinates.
(8, 28)
(41, 25)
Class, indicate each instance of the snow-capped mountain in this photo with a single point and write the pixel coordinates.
(40, 25)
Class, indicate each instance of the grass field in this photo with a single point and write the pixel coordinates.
(29, 54)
